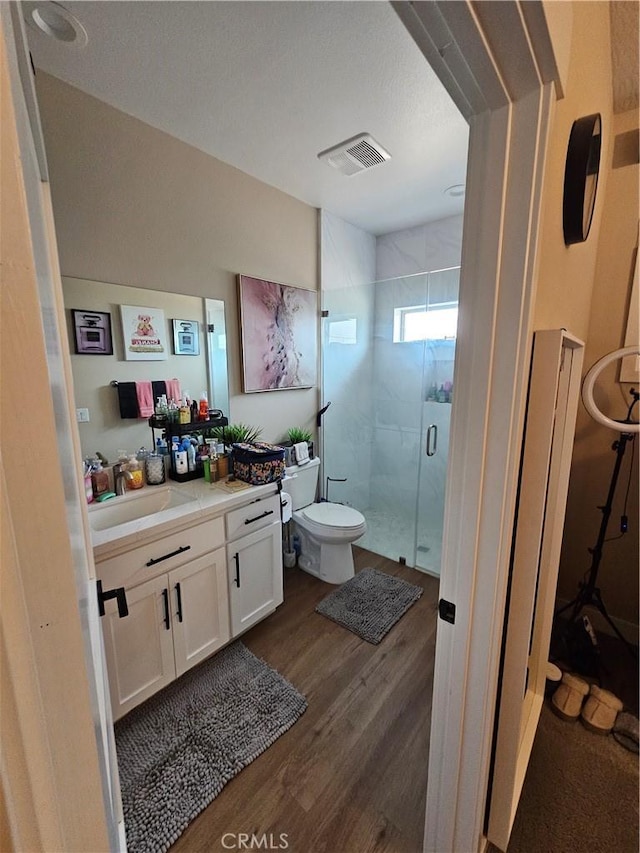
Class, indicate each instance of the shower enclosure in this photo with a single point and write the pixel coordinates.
(388, 357)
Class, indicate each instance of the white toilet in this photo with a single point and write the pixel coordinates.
(326, 530)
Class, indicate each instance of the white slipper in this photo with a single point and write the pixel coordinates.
(567, 701)
(600, 711)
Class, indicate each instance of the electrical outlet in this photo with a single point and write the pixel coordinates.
(82, 416)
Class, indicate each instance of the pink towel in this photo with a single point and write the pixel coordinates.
(173, 389)
(144, 393)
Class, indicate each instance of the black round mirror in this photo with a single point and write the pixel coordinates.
(581, 178)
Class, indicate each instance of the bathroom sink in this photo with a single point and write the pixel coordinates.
(131, 507)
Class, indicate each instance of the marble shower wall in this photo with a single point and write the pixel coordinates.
(348, 259)
(434, 246)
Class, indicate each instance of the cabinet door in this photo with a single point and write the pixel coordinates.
(254, 565)
(200, 609)
(139, 647)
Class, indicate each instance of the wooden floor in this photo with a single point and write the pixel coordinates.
(350, 776)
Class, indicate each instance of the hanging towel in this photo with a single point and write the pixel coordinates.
(159, 388)
(128, 399)
(144, 393)
(302, 452)
(173, 390)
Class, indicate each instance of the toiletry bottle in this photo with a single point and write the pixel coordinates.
(88, 484)
(203, 412)
(135, 469)
(190, 450)
(99, 479)
(185, 413)
(180, 461)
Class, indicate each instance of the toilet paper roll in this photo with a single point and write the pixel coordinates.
(285, 500)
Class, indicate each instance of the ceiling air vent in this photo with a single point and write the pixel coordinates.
(355, 155)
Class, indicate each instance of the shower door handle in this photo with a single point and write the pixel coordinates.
(432, 440)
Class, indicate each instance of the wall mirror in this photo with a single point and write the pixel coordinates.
(95, 368)
(581, 178)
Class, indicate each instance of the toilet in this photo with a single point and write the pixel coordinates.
(326, 530)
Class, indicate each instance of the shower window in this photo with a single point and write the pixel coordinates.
(419, 323)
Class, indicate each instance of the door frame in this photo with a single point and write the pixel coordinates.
(508, 100)
(498, 85)
(75, 569)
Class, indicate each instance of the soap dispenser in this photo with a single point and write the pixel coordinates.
(135, 469)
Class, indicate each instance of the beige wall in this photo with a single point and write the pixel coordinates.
(593, 458)
(585, 288)
(137, 207)
(566, 273)
(106, 431)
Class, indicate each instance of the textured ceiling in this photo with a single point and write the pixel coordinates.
(265, 86)
(624, 54)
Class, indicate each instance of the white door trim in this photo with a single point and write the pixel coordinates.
(509, 109)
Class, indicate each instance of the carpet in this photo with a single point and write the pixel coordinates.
(179, 749)
(580, 793)
(370, 603)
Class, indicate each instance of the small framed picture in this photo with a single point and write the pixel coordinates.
(92, 332)
(186, 339)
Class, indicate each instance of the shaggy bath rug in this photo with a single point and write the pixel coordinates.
(179, 749)
(370, 603)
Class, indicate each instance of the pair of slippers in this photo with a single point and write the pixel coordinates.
(597, 709)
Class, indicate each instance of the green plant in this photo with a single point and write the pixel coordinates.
(233, 433)
(297, 434)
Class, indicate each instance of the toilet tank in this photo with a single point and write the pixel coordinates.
(301, 482)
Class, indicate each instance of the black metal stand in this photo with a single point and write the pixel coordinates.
(588, 592)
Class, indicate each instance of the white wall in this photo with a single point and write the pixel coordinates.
(135, 206)
(347, 274)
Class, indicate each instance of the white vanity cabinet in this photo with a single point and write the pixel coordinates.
(176, 618)
(254, 562)
(188, 594)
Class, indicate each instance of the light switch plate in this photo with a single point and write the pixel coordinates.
(82, 416)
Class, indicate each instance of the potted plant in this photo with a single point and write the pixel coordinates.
(231, 434)
(296, 435)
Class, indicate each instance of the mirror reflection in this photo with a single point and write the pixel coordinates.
(191, 351)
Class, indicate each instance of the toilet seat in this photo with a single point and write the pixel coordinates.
(334, 515)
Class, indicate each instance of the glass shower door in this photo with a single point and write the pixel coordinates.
(387, 360)
(440, 334)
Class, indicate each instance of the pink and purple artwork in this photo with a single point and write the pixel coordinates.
(279, 333)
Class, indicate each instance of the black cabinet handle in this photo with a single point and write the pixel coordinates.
(258, 517)
(236, 557)
(107, 594)
(180, 550)
(167, 618)
(179, 598)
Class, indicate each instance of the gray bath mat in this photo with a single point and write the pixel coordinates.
(178, 750)
(370, 604)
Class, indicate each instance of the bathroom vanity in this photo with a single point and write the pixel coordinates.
(198, 567)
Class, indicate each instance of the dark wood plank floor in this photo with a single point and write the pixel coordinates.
(350, 776)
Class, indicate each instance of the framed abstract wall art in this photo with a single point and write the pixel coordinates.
(144, 332)
(279, 335)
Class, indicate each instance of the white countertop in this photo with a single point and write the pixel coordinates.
(207, 501)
